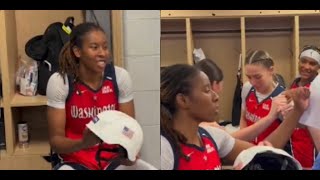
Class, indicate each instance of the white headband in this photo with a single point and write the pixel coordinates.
(310, 53)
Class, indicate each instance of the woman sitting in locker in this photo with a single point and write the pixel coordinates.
(302, 145)
(72, 103)
(187, 100)
(215, 75)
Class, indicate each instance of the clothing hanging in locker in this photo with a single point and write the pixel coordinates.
(236, 107)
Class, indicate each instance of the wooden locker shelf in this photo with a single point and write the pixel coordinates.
(178, 14)
(37, 130)
(173, 26)
(35, 147)
(173, 41)
(3, 153)
(213, 36)
(216, 25)
(19, 100)
(309, 31)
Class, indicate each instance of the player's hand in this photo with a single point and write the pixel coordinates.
(89, 139)
(277, 102)
(265, 143)
(300, 97)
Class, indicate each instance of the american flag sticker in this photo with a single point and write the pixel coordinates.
(127, 132)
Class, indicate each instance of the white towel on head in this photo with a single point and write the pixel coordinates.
(310, 53)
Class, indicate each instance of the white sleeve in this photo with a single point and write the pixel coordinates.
(244, 92)
(167, 157)
(57, 91)
(124, 85)
(224, 140)
(310, 117)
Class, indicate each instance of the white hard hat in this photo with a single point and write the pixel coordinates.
(248, 155)
(115, 127)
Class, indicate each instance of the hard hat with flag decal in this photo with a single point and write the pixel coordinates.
(265, 158)
(115, 127)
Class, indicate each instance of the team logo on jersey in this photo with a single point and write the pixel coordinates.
(205, 158)
(89, 112)
(265, 106)
(188, 155)
(106, 90)
(252, 117)
(78, 92)
(209, 148)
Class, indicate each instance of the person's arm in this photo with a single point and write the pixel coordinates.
(228, 146)
(126, 103)
(127, 108)
(310, 117)
(166, 155)
(58, 141)
(280, 136)
(247, 133)
(315, 134)
(239, 145)
(56, 114)
(243, 123)
(250, 132)
(244, 93)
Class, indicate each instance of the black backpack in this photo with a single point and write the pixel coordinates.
(236, 106)
(46, 48)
